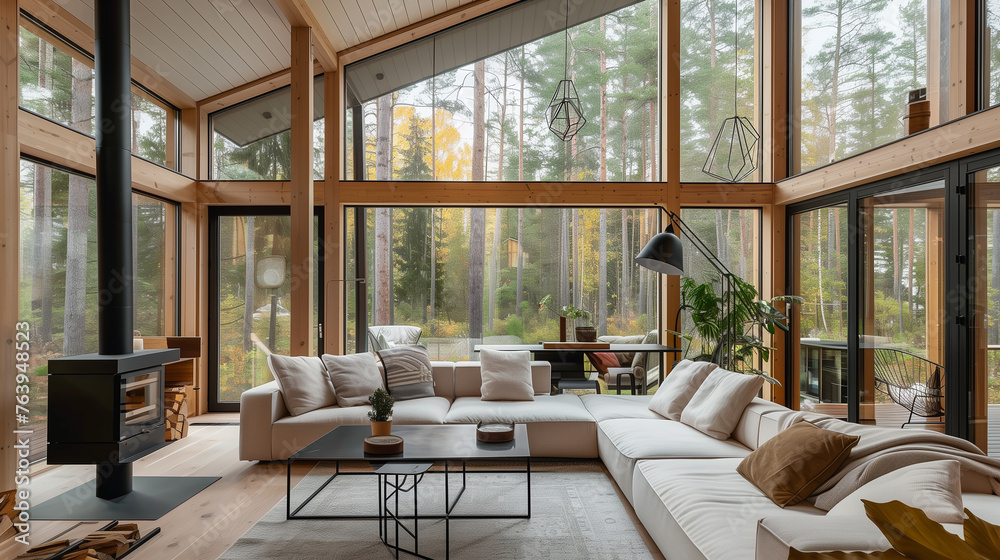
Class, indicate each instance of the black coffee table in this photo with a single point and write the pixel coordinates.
(437, 443)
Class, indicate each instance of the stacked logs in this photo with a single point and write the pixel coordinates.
(107, 544)
(175, 411)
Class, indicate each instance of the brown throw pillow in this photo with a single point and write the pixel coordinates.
(789, 466)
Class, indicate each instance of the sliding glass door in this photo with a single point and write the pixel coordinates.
(902, 326)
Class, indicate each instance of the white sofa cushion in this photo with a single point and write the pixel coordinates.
(716, 508)
(469, 378)
(758, 423)
(679, 386)
(934, 487)
(623, 442)
(558, 425)
(292, 433)
(554, 408)
(506, 375)
(303, 381)
(611, 406)
(355, 377)
(717, 406)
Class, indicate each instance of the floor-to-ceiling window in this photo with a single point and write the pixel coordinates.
(853, 64)
(984, 322)
(819, 274)
(469, 103)
(501, 275)
(58, 272)
(250, 287)
(902, 336)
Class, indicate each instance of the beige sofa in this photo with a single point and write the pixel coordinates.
(682, 484)
(558, 425)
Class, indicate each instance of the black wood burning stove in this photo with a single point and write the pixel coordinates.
(107, 411)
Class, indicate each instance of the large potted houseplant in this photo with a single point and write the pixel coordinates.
(728, 325)
(381, 412)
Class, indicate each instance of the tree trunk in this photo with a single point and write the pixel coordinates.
(625, 284)
(909, 265)
(249, 279)
(896, 271)
(643, 235)
(564, 295)
(494, 266)
(477, 218)
(520, 124)
(433, 310)
(77, 224)
(577, 265)
(41, 284)
(604, 106)
(520, 262)
(602, 282)
(383, 216)
(819, 266)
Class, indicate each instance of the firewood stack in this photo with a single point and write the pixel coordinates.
(175, 410)
(100, 545)
(7, 515)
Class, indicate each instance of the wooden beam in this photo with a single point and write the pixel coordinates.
(299, 14)
(57, 144)
(334, 312)
(189, 142)
(670, 108)
(468, 193)
(774, 51)
(302, 265)
(58, 18)
(966, 136)
(48, 141)
(742, 194)
(250, 90)
(962, 57)
(421, 29)
(10, 238)
(773, 260)
(252, 193)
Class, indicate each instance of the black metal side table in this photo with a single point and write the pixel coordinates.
(389, 489)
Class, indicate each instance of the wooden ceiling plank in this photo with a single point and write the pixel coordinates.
(161, 75)
(328, 25)
(371, 17)
(422, 28)
(143, 18)
(275, 40)
(255, 42)
(384, 12)
(398, 12)
(185, 21)
(254, 53)
(202, 53)
(343, 23)
(178, 68)
(357, 19)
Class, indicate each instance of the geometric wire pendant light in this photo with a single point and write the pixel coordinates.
(564, 115)
(733, 155)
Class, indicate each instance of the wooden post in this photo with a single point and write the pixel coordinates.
(670, 98)
(302, 265)
(333, 265)
(866, 358)
(773, 222)
(774, 109)
(934, 272)
(189, 143)
(10, 239)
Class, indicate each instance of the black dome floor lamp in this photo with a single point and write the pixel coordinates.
(664, 253)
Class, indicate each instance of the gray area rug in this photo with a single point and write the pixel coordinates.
(574, 515)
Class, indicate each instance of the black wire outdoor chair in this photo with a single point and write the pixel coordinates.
(911, 381)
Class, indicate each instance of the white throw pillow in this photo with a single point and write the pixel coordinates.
(303, 382)
(934, 487)
(506, 375)
(678, 388)
(716, 407)
(355, 377)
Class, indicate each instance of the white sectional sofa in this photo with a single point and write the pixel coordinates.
(682, 484)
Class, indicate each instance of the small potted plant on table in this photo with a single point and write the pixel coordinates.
(381, 413)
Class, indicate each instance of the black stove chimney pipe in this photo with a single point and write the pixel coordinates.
(112, 64)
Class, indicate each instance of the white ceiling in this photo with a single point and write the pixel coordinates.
(206, 47)
(351, 22)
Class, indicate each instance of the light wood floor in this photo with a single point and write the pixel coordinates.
(205, 526)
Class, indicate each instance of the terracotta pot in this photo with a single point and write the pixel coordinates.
(381, 428)
(586, 334)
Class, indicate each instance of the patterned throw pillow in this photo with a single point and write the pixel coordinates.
(407, 372)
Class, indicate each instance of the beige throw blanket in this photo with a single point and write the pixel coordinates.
(883, 450)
